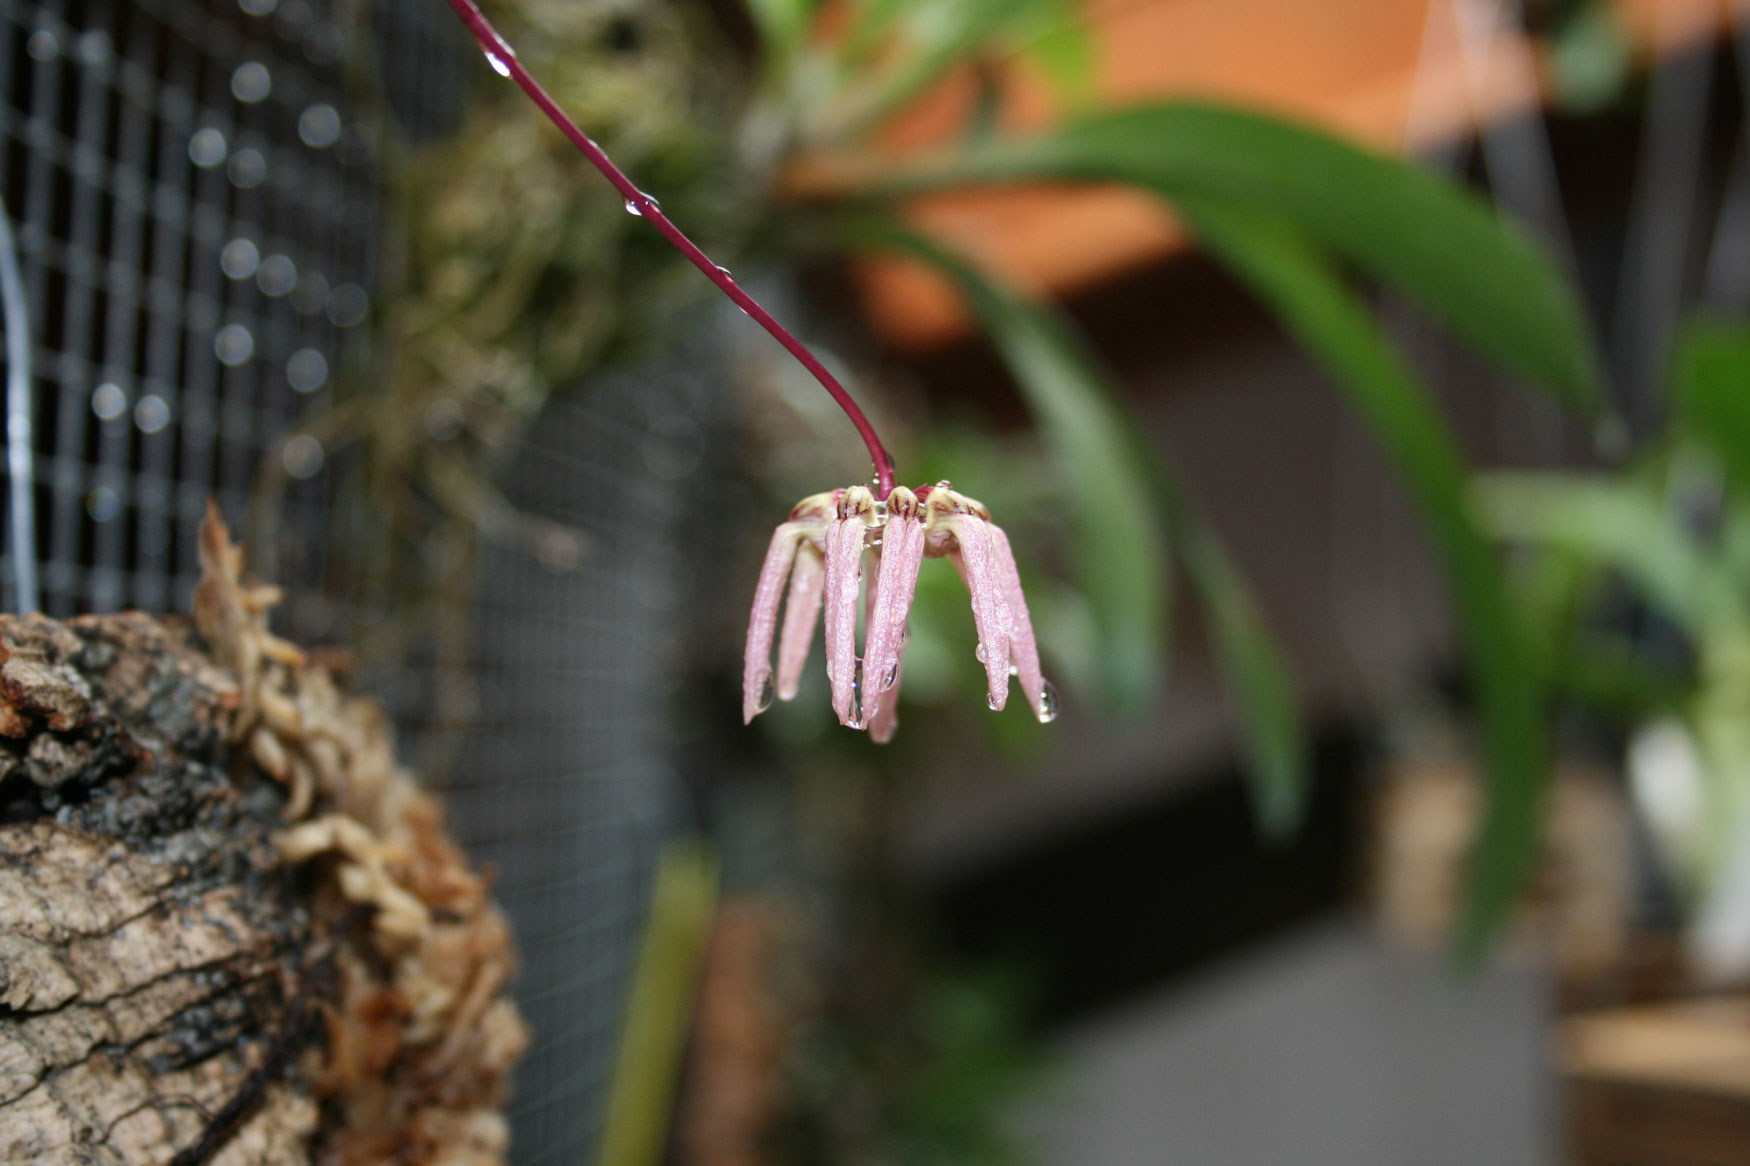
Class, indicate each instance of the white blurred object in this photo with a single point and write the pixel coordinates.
(1665, 776)
(1719, 937)
(1703, 840)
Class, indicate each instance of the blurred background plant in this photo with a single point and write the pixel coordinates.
(1635, 580)
(523, 489)
(520, 272)
(517, 272)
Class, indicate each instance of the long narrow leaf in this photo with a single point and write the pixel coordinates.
(1289, 274)
(1617, 524)
(1120, 543)
(1434, 242)
(1253, 668)
(1712, 389)
(1080, 410)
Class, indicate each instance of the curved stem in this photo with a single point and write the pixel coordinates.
(504, 60)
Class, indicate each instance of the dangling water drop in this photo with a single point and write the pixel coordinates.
(995, 703)
(1047, 710)
(856, 721)
(632, 208)
(498, 64)
(767, 694)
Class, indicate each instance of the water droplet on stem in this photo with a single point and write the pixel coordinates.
(498, 64)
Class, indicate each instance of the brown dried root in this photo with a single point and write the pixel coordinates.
(422, 1037)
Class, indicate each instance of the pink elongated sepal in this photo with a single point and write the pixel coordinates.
(756, 673)
(990, 608)
(844, 560)
(1023, 649)
(902, 553)
(801, 614)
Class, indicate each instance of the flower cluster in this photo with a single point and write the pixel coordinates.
(819, 552)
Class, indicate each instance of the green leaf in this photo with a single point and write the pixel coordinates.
(1619, 524)
(1287, 272)
(659, 1011)
(781, 24)
(1253, 668)
(1435, 243)
(1712, 389)
(1068, 59)
(934, 36)
(1125, 496)
(1120, 545)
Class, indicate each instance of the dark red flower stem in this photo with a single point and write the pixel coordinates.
(499, 50)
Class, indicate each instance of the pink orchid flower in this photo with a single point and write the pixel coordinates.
(819, 552)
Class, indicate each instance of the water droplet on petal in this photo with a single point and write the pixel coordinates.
(498, 64)
(1047, 710)
(892, 676)
(856, 721)
(995, 704)
(978, 653)
(767, 693)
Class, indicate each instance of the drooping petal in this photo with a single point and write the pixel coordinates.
(990, 614)
(902, 553)
(756, 674)
(801, 613)
(844, 558)
(1023, 649)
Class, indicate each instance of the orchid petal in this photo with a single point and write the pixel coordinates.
(756, 672)
(1023, 649)
(990, 614)
(801, 613)
(844, 557)
(902, 553)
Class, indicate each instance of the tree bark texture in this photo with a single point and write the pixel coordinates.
(231, 929)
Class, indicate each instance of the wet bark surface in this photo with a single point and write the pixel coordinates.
(157, 989)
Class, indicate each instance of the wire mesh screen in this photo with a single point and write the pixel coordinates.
(194, 216)
(564, 782)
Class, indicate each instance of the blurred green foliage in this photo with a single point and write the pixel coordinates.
(1672, 527)
(521, 272)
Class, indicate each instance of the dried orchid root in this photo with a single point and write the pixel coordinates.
(504, 62)
(819, 552)
(421, 1036)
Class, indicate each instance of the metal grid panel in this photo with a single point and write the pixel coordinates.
(565, 783)
(194, 219)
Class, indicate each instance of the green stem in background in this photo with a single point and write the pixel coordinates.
(1288, 272)
(504, 62)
